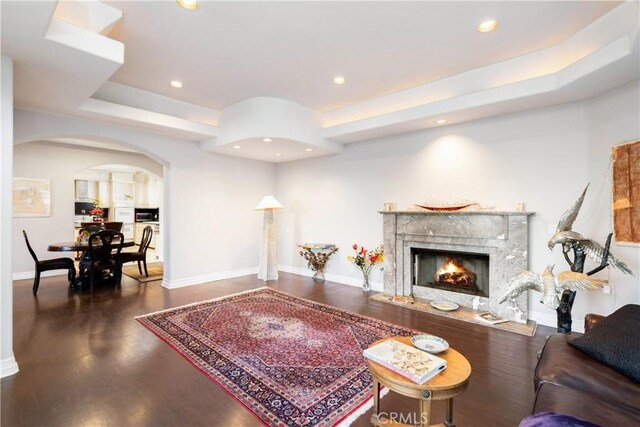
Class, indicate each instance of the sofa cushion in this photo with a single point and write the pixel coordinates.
(586, 406)
(614, 341)
(565, 366)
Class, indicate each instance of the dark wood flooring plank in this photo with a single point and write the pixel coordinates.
(85, 361)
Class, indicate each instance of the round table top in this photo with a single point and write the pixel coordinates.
(81, 247)
(455, 375)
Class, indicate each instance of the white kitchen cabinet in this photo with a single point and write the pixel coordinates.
(155, 236)
(147, 191)
(140, 226)
(124, 215)
(122, 187)
(104, 193)
(154, 187)
(86, 191)
(138, 231)
(127, 230)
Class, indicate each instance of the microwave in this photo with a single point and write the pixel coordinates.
(147, 215)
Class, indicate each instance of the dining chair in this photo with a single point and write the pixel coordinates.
(104, 248)
(115, 226)
(141, 254)
(92, 225)
(50, 264)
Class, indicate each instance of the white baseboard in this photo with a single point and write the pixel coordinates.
(8, 367)
(204, 278)
(344, 280)
(31, 274)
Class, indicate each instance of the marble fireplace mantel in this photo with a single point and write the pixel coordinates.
(501, 235)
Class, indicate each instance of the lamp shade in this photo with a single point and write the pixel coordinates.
(268, 202)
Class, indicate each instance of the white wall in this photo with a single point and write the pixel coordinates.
(613, 118)
(211, 230)
(8, 364)
(542, 157)
(58, 163)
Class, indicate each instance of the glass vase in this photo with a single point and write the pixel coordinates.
(365, 283)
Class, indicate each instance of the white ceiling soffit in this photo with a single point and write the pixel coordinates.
(150, 120)
(609, 43)
(59, 65)
(269, 126)
(67, 71)
(102, 145)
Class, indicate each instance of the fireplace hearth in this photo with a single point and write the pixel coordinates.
(464, 257)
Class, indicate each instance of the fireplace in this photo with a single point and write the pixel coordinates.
(462, 272)
(463, 257)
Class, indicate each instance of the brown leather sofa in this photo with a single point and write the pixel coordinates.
(569, 382)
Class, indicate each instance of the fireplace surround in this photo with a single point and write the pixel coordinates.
(469, 239)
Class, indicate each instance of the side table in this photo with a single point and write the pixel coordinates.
(444, 386)
(317, 255)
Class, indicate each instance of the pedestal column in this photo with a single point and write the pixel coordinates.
(268, 269)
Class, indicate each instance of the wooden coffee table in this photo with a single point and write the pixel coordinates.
(444, 386)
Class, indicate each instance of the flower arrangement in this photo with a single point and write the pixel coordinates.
(97, 211)
(365, 260)
(317, 260)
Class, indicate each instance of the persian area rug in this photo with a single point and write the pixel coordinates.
(290, 361)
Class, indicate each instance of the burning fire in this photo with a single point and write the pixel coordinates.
(452, 273)
(450, 267)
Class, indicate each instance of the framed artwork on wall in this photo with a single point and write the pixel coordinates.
(626, 193)
(31, 197)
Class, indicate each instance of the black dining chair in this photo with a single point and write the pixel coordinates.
(115, 226)
(104, 248)
(50, 264)
(92, 225)
(141, 254)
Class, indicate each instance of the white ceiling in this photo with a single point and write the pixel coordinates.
(226, 52)
(256, 69)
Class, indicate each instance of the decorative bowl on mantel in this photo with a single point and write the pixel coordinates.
(445, 208)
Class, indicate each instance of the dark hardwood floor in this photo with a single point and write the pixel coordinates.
(85, 361)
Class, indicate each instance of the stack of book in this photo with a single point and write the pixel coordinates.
(406, 360)
(490, 318)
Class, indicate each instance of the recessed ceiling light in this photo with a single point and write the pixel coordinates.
(441, 121)
(338, 80)
(278, 155)
(237, 147)
(266, 139)
(487, 26)
(188, 4)
(308, 149)
(176, 84)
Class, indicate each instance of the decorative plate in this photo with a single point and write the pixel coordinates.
(430, 343)
(444, 305)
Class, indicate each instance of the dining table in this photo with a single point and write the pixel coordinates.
(83, 246)
(75, 246)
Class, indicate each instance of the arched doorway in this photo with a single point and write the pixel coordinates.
(106, 172)
(126, 194)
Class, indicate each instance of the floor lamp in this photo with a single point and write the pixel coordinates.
(268, 269)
